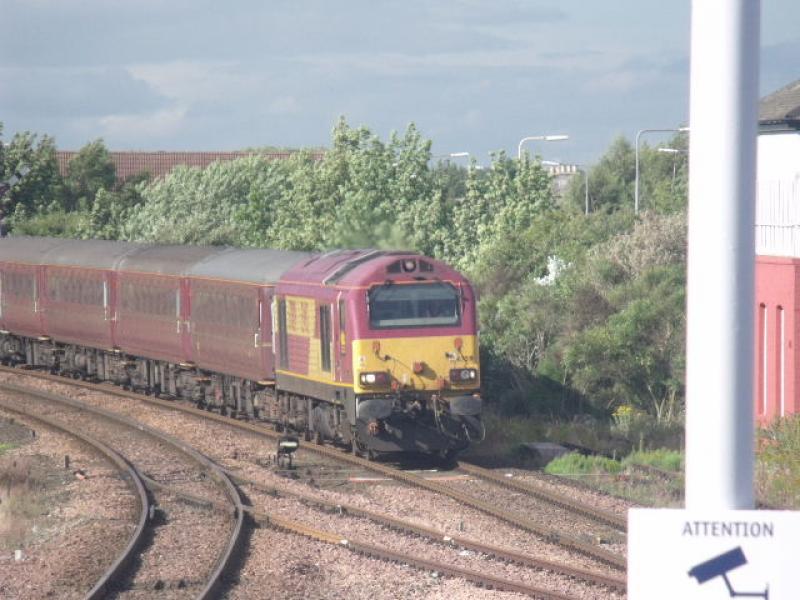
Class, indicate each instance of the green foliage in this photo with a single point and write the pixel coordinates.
(5, 447)
(663, 458)
(52, 223)
(777, 467)
(577, 464)
(579, 313)
(111, 208)
(611, 181)
(195, 206)
(89, 171)
(42, 188)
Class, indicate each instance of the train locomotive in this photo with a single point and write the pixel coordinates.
(371, 349)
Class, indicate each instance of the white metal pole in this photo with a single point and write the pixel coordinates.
(719, 381)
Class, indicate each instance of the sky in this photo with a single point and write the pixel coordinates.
(474, 75)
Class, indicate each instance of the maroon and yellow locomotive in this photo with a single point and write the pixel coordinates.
(377, 350)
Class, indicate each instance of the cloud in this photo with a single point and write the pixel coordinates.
(74, 92)
(198, 81)
(142, 127)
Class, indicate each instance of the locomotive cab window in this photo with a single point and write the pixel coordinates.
(415, 305)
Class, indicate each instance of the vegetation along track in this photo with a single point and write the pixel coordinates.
(210, 586)
(552, 535)
(114, 575)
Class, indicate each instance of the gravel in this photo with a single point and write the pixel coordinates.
(286, 565)
(71, 529)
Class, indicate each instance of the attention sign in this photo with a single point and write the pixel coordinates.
(713, 555)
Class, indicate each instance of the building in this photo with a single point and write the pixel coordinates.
(158, 164)
(777, 374)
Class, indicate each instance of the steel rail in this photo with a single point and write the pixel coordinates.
(506, 554)
(130, 474)
(551, 535)
(298, 528)
(597, 514)
(226, 556)
(489, 581)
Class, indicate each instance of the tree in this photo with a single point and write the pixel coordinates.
(110, 210)
(42, 187)
(89, 171)
(194, 206)
(611, 181)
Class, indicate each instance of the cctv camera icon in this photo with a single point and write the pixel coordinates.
(719, 566)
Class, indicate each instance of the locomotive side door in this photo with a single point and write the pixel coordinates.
(183, 325)
(341, 340)
(263, 336)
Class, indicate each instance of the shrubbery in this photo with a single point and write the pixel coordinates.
(580, 314)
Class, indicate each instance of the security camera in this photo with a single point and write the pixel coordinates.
(719, 566)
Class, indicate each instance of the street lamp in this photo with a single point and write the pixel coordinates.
(539, 138)
(674, 152)
(638, 136)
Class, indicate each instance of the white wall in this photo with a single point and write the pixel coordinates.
(778, 195)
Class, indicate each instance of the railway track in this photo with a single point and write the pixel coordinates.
(115, 574)
(591, 550)
(438, 536)
(186, 517)
(541, 493)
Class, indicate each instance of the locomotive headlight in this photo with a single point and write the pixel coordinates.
(463, 375)
(374, 379)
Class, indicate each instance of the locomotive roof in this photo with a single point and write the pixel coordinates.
(360, 267)
(251, 265)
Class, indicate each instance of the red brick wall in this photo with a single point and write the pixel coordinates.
(776, 335)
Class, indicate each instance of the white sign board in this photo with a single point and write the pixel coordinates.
(713, 555)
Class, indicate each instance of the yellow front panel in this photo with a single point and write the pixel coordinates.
(438, 356)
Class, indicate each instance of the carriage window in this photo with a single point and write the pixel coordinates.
(325, 336)
(415, 305)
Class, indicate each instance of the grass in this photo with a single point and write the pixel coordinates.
(668, 460)
(5, 447)
(575, 464)
(23, 500)
(778, 463)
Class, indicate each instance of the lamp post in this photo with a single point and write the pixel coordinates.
(539, 138)
(675, 152)
(636, 181)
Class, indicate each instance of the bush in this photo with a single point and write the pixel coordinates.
(577, 464)
(777, 466)
(668, 460)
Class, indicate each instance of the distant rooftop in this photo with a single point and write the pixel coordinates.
(158, 164)
(781, 109)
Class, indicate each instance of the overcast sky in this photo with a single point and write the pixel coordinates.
(473, 75)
